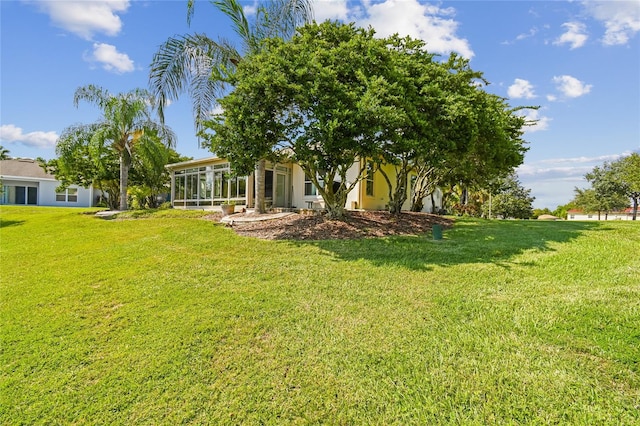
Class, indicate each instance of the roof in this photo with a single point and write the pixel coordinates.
(628, 210)
(24, 168)
(193, 163)
(547, 217)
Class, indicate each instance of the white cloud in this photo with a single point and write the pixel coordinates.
(575, 36)
(250, 9)
(110, 58)
(216, 110)
(533, 115)
(571, 86)
(565, 168)
(521, 89)
(12, 134)
(85, 18)
(553, 180)
(620, 18)
(583, 159)
(523, 36)
(532, 32)
(430, 23)
(331, 9)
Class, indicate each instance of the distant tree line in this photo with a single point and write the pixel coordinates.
(614, 186)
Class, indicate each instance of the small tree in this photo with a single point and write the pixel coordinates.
(539, 212)
(513, 201)
(125, 125)
(149, 176)
(610, 190)
(4, 153)
(628, 171)
(483, 142)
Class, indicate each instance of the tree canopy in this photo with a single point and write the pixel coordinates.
(613, 185)
(512, 200)
(203, 67)
(628, 171)
(91, 153)
(335, 94)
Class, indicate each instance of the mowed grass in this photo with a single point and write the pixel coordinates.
(171, 319)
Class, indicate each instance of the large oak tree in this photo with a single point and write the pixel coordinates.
(315, 100)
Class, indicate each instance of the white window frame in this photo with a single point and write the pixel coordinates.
(69, 195)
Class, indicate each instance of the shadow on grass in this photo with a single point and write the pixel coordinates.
(469, 241)
(7, 223)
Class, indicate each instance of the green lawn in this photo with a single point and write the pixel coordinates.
(171, 319)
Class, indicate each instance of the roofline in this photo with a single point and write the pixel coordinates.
(27, 178)
(173, 166)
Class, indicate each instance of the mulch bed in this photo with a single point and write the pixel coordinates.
(369, 224)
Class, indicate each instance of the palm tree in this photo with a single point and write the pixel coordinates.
(4, 153)
(200, 66)
(126, 122)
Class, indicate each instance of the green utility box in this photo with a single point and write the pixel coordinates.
(436, 230)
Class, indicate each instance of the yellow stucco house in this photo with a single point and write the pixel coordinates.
(206, 184)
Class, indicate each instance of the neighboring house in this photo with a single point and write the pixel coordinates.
(25, 182)
(206, 183)
(626, 214)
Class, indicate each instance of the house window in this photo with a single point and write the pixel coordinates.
(369, 179)
(238, 187)
(69, 195)
(210, 185)
(309, 188)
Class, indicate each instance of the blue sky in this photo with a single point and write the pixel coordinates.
(579, 61)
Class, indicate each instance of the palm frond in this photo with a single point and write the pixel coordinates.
(190, 9)
(164, 133)
(187, 64)
(280, 18)
(92, 94)
(233, 9)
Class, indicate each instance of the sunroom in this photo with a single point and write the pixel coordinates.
(206, 183)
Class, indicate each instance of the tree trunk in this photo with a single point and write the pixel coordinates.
(635, 208)
(335, 207)
(125, 164)
(398, 194)
(259, 187)
(334, 202)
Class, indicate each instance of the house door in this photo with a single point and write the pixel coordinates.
(281, 190)
(268, 187)
(32, 195)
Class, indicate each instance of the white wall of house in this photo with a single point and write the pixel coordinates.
(46, 192)
(427, 205)
(49, 197)
(353, 198)
(594, 216)
(299, 199)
